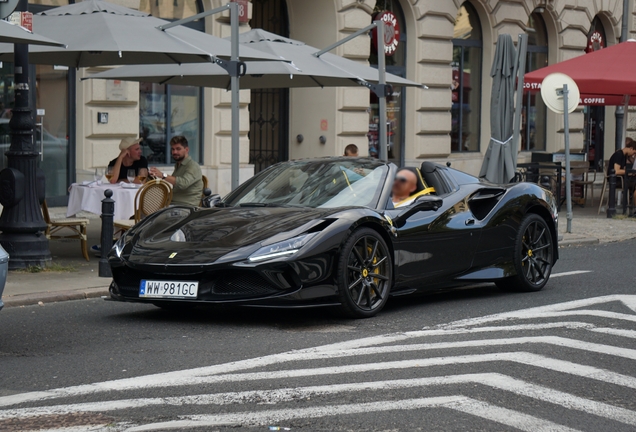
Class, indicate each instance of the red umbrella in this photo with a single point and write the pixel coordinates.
(604, 77)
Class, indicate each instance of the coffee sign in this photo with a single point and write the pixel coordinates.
(391, 32)
(595, 42)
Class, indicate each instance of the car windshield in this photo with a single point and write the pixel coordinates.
(323, 183)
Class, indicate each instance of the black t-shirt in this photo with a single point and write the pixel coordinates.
(123, 172)
(617, 158)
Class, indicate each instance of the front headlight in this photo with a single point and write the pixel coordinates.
(281, 249)
(118, 247)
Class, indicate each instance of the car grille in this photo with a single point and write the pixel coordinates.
(243, 284)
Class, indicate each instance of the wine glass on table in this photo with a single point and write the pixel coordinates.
(130, 175)
(109, 173)
(143, 175)
(98, 175)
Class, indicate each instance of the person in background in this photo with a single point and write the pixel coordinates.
(129, 158)
(619, 163)
(351, 150)
(186, 178)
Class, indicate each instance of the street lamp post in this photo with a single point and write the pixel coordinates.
(21, 221)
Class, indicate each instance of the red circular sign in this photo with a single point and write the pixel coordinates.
(391, 32)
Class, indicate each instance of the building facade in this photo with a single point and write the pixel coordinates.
(447, 45)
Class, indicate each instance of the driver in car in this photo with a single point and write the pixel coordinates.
(405, 188)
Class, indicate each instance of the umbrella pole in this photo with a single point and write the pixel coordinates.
(516, 134)
(568, 175)
(382, 132)
(235, 87)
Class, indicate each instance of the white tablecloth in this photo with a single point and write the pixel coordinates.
(89, 198)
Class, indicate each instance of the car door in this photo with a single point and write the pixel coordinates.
(434, 245)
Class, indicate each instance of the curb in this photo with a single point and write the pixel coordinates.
(579, 242)
(54, 297)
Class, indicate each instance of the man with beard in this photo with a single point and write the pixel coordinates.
(186, 178)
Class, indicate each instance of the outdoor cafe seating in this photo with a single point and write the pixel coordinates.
(151, 197)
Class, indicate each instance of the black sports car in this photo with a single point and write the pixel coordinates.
(324, 232)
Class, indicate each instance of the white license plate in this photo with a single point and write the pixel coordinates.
(168, 289)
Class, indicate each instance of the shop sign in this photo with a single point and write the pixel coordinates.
(242, 10)
(116, 90)
(391, 32)
(595, 42)
(23, 19)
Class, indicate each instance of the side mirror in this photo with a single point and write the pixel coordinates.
(423, 203)
(210, 200)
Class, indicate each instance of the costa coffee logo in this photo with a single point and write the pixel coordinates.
(391, 32)
(595, 42)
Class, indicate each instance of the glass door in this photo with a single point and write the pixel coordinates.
(51, 130)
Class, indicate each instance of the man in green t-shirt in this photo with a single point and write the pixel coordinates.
(186, 178)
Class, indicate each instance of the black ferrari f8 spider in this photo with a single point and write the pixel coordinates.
(324, 232)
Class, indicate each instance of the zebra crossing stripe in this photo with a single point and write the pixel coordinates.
(477, 408)
(525, 358)
(172, 379)
(493, 380)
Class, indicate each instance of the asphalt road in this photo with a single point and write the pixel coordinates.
(470, 359)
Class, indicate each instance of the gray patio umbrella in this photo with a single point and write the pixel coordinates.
(99, 33)
(14, 34)
(499, 161)
(304, 70)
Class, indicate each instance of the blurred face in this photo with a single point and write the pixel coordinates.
(134, 151)
(179, 152)
(630, 151)
(404, 184)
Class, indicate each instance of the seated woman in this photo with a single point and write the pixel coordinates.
(407, 186)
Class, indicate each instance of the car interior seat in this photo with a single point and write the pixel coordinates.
(433, 178)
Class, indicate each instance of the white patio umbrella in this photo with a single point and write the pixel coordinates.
(303, 70)
(14, 34)
(100, 33)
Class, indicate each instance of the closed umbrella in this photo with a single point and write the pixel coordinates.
(303, 69)
(14, 34)
(499, 162)
(99, 33)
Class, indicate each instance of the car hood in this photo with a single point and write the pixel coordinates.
(219, 234)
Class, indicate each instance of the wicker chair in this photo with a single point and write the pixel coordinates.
(204, 179)
(153, 196)
(77, 226)
(584, 178)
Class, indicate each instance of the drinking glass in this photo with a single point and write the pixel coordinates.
(143, 175)
(131, 176)
(98, 174)
(109, 173)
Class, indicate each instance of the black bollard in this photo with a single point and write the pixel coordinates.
(108, 215)
(611, 199)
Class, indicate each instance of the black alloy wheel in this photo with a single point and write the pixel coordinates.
(533, 256)
(364, 274)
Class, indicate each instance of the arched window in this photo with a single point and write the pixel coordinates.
(395, 103)
(533, 114)
(166, 110)
(467, 58)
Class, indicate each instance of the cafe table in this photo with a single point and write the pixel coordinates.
(88, 197)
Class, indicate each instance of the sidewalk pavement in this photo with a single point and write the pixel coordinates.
(79, 279)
